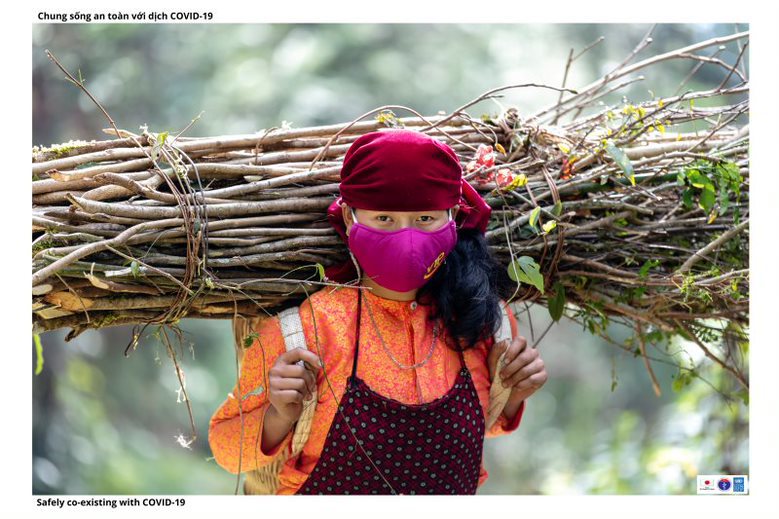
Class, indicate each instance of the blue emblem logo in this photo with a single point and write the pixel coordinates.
(723, 484)
(738, 484)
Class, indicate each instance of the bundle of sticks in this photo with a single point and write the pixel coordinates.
(629, 211)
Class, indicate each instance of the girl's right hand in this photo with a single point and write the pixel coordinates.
(291, 383)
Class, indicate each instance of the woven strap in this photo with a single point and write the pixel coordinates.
(265, 480)
(499, 395)
(292, 330)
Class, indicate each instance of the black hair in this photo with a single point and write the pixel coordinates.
(466, 290)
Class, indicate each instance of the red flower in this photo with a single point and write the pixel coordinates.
(504, 177)
(485, 156)
(484, 160)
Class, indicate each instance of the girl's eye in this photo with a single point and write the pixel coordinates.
(429, 218)
(381, 218)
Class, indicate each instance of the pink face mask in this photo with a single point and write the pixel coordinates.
(401, 260)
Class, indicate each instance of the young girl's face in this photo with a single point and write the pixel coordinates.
(394, 220)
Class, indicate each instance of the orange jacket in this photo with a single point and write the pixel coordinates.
(406, 333)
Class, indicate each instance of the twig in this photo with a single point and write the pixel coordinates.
(695, 258)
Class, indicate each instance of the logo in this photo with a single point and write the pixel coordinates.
(437, 263)
(721, 484)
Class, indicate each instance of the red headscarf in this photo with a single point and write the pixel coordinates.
(403, 170)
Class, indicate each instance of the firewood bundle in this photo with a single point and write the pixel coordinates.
(631, 211)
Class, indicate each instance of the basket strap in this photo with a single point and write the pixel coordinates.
(292, 330)
(499, 395)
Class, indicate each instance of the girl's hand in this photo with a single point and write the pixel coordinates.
(522, 369)
(291, 383)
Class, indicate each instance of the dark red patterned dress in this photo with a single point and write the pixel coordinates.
(378, 445)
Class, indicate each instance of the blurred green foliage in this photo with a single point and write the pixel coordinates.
(103, 423)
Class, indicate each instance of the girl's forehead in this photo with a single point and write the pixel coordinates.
(402, 213)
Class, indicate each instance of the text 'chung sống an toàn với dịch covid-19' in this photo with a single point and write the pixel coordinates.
(139, 16)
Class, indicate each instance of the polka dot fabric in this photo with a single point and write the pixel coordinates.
(378, 445)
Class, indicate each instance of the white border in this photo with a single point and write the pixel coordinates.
(16, 376)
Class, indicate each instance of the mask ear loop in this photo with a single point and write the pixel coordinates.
(357, 268)
(354, 260)
(456, 225)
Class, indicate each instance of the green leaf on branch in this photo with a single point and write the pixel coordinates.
(38, 353)
(525, 270)
(682, 380)
(687, 198)
(549, 226)
(713, 184)
(135, 268)
(622, 160)
(644, 270)
(534, 217)
(708, 198)
(724, 199)
(557, 303)
(249, 339)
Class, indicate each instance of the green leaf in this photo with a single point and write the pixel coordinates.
(694, 176)
(622, 160)
(549, 226)
(707, 199)
(558, 208)
(249, 339)
(534, 216)
(613, 373)
(648, 264)
(682, 380)
(557, 303)
(135, 268)
(321, 270)
(525, 270)
(687, 198)
(724, 198)
(38, 353)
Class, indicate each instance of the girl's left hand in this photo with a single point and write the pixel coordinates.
(523, 369)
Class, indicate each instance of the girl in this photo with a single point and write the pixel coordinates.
(401, 359)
